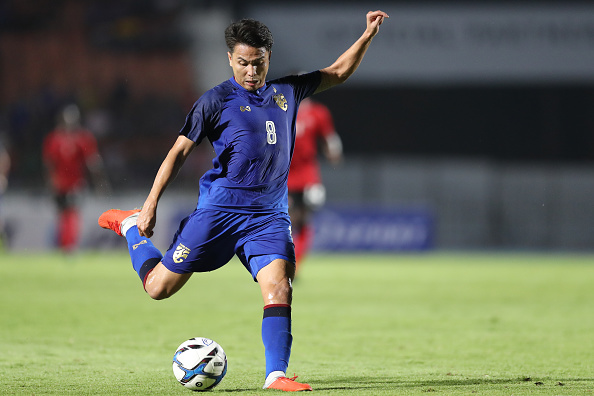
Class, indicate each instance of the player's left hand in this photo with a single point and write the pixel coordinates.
(374, 20)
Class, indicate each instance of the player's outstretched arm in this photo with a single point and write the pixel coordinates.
(171, 165)
(349, 61)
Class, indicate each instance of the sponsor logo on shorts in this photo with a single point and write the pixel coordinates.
(138, 244)
(181, 253)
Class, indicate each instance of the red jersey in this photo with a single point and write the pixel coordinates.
(314, 122)
(66, 154)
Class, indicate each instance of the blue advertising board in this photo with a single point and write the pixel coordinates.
(362, 228)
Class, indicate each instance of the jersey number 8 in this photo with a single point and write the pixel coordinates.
(270, 132)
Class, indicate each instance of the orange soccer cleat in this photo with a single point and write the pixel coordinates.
(289, 385)
(113, 219)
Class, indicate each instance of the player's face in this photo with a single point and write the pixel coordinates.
(250, 66)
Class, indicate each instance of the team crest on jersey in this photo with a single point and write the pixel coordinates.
(181, 253)
(245, 108)
(281, 101)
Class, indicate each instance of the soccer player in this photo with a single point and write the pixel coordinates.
(69, 154)
(306, 191)
(242, 209)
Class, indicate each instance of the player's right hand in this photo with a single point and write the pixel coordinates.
(146, 222)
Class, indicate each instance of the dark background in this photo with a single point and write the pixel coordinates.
(520, 123)
(126, 64)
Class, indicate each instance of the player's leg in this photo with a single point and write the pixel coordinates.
(277, 291)
(157, 280)
(69, 225)
(60, 202)
(296, 210)
(303, 238)
(275, 280)
(313, 198)
(269, 255)
(161, 283)
(275, 285)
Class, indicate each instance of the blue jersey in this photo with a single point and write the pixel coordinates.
(253, 135)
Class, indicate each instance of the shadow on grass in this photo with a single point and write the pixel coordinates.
(379, 383)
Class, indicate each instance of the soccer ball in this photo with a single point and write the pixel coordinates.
(199, 364)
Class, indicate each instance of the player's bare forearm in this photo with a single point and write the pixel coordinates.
(349, 61)
(168, 170)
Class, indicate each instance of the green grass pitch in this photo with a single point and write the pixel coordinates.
(438, 323)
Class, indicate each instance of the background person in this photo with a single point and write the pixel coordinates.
(314, 128)
(70, 157)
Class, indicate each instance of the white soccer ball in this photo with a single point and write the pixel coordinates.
(199, 364)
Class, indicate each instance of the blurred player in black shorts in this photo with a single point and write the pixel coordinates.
(315, 128)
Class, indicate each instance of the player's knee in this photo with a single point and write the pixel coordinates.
(287, 287)
(282, 292)
(158, 292)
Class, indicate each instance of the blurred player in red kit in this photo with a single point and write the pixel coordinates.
(69, 155)
(315, 128)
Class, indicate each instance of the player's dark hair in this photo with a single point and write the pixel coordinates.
(249, 32)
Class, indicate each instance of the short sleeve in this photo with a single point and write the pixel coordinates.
(203, 117)
(307, 85)
(304, 85)
(195, 127)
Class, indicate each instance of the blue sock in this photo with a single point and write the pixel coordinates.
(277, 338)
(145, 256)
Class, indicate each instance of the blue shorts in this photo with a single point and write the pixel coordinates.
(207, 239)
